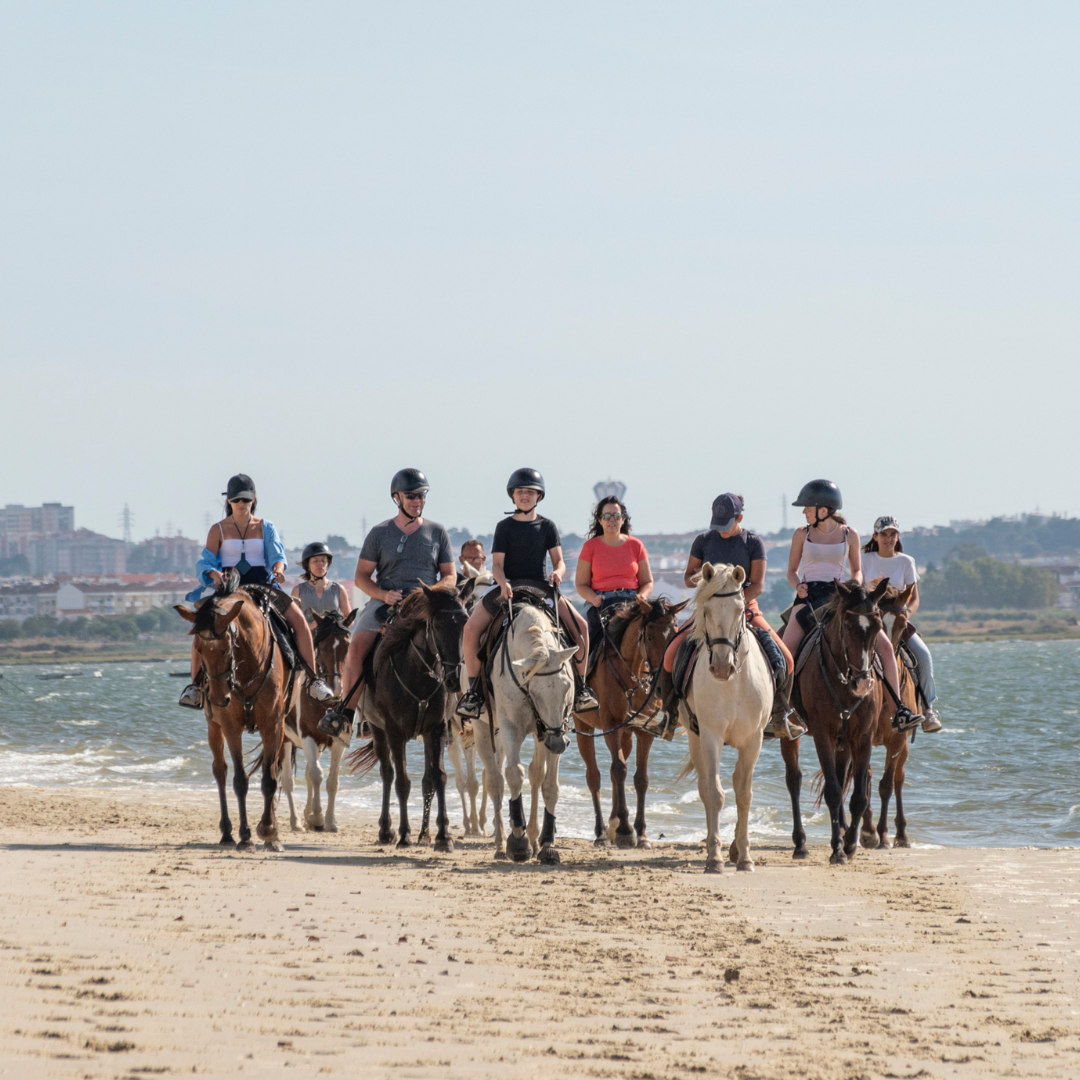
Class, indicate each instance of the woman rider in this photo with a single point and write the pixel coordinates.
(314, 593)
(613, 565)
(728, 542)
(882, 556)
(517, 553)
(251, 545)
(819, 551)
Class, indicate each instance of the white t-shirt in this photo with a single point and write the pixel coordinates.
(899, 569)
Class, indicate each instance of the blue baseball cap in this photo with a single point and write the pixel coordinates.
(725, 509)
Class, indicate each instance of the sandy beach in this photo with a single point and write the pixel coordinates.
(131, 946)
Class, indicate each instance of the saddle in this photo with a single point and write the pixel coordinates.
(279, 625)
(523, 595)
(614, 630)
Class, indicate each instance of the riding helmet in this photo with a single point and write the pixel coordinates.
(408, 480)
(316, 548)
(820, 493)
(525, 478)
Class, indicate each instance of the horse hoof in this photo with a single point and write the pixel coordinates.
(746, 864)
(273, 845)
(330, 826)
(869, 840)
(713, 866)
(518, 848)
(601, 841)
(625, 840)
(245, 845)
(316, 828)
(800, 853)
(850, 851)
(644, 842)
(549, 856)
(500, 855)
(445, 846)
(227, 841)
(838, 858)
(733, 854)
(386, 838)
(902, 841)
(404, 842)
(423, 840)
(884, 842)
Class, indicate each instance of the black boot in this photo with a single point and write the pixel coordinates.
(472, 701)
(665, 722)
(784, 722)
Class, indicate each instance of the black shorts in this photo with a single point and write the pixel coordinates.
(493, 600)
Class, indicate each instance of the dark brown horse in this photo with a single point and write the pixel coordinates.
(625, 683)
(331, 640)
(840, 697)
(248, 688)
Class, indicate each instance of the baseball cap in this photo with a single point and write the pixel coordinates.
(240, 486)
(725, 509)
(886, 521)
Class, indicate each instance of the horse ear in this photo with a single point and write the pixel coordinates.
(187, 616)
(707, 572)
(906, 595)
(676, 608)
(879, 590)
(643, 606)
(348, 620)
(844, 588)
(562, 655)
(317, 617)
(738, 575)
(222, 621)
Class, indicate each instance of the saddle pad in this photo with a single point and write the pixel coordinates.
(685, 656)
(806, 647)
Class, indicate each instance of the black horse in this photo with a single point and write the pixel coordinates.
(414, 667)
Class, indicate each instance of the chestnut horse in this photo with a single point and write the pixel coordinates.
(248, 684)
(840, 698)
(625, 682)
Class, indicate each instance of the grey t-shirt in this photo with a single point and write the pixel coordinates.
(400, 559)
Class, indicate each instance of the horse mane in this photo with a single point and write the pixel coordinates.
(417, 608)
(705, 591)
(332, 624)
(627, 613)
(538, 650)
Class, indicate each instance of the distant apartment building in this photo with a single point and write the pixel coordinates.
(21, 525)
(20, 602)
(75, 598)
(76, 554)
(164, 554)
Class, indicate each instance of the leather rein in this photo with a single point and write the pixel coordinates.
(230, 673)
(733, 645)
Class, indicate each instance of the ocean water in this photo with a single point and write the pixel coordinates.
(1004, 771)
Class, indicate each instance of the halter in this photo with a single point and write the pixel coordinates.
(733, 645)
(430, 666)
(507, 664)
(230, 674)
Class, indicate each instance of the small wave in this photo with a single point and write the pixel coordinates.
(149, 766)
(80, 723)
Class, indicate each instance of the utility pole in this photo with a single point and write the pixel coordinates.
(783, 511)
(126, 519)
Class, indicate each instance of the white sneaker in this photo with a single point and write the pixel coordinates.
(319, 691)
(930, 722)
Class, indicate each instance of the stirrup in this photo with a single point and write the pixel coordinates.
(585, 700)
(334, 722)
(654, 725)
(191, 697)
(468, 708)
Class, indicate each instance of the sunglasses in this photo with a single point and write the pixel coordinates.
(239, 500)
(413, 496)
(611, 517)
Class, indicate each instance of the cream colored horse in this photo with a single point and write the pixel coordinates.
(729, 701)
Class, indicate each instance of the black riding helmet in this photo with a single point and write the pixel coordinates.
(525, 478)
(822, 493)
(317, 548)
(408, 480)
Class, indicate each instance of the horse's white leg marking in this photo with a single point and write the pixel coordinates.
(550, 782)
(482, 817)
(287, 784)
(472, 786)
(742, 781)
(337, 752)
(313, 814)
(536, 776)
(493, 781)
(711, 790)
(455, 752)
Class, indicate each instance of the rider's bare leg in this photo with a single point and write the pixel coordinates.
(196, 663)
(572, 618)
(888, 664)
(303, 634)
(359, 647)
(479, 621)
(793, 632)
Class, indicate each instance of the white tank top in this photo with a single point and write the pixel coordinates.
(231, 549)
(824, 562)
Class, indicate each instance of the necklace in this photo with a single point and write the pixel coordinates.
(243, 566)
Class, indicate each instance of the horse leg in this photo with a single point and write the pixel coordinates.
(517, 843)
(550, 786)
(267, 829)
(705, 753)
(742, 780)
(789, 751)
(435, 776)
(834, 796)
(472, 786)
(427, 790)
(641, 784)
(386, 772)
(402, 786)
(453, 746)
(885, 788)
(240, 787)
(898, 788)
(333, 782)
(536, 778)
(216, 738)
(860, 762)
(313, 811)
(287, 779)
(493, 786)
(621, 834)
(587, 749)
(868, 836)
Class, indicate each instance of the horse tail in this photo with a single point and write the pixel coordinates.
(255, 759)
(817, 784)
(362, 760)
(686, 767)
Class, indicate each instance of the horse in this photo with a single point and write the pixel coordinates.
(841, 702)
(894, 614)
(728, 702)
(236, 645)
(419, 654)
(532, 693)
(625, 681)
(331, 640)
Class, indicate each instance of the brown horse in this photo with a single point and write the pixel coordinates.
(625, 683)
(331, 640)
(894, 613)
(840, 698)
(248, 684)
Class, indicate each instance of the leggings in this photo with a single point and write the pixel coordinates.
(924, 667)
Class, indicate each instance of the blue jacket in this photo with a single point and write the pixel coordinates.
(273, 552)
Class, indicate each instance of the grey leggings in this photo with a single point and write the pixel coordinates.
(924, 669)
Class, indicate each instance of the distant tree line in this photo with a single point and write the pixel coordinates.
(987, 583)
(104, 628)
(1033, 535)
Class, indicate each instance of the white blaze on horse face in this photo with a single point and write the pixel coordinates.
(864, 622)
(889, 619)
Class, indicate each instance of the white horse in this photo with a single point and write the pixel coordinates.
(533, 695)
(729, 702)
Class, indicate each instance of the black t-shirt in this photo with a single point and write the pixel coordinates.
(740, 550)
(525, 545)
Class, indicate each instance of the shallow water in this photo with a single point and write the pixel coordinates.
(1003, 772)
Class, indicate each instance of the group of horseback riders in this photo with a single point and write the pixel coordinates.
(407, 550)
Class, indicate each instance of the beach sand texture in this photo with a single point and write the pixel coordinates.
(131, 946)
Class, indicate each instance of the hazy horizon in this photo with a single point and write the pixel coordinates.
(697, 248)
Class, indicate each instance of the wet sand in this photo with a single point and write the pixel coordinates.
(132, 946)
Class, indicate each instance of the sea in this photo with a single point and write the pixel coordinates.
(1003, 772)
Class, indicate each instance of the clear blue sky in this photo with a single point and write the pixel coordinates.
(696, 247)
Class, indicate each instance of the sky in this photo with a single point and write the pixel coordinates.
(699, 248)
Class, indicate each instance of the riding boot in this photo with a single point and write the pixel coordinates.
(584, 698)
(784, 722)
(472, 701)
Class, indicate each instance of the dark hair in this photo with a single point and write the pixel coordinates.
(595, 526)
(471, 544)
(254, 507)
(871, 544)
(839, 518)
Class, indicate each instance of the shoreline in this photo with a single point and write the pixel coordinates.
(130, 941)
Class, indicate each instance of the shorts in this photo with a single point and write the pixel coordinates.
(493, 600)
(371, 617)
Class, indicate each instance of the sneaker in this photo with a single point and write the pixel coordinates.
(585, 700)
(319, 691)
(930, 722)
(905, 719)
(191, 697)
(470, 704)
(334, 722)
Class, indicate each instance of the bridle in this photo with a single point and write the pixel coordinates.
(434, 667)
(507, 665)
(230, 673)
(733, 645)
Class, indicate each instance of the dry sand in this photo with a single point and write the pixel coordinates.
(131, 946)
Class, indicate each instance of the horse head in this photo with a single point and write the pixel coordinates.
(214, 628)
(720, 617)
(331, 641)
(854, 630)
(659, 621)
(471, 589)
(895, 614)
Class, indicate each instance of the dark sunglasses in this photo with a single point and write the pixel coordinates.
(611, 517)
(415, 496)
(239, 500)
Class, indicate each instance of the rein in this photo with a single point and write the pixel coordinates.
(734, 645)
(438, 679)
(231, 675)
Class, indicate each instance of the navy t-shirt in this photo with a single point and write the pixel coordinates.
(525, 545)
(739, 550)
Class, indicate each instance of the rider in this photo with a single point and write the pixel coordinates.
(251, 545)
(728, 542)
(820, 551)
(398, 554)
(882, 556)
(518, 550)
(472, 554)
(314, 593)
(613, 565)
